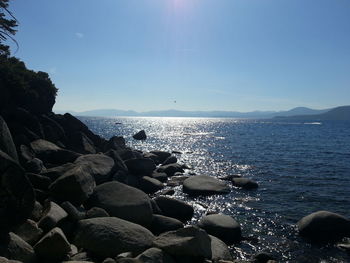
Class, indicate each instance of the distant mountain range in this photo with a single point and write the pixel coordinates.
(301, 113)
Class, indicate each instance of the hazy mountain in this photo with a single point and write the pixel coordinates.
(176, 113)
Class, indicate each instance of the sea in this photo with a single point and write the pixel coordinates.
(301, 167)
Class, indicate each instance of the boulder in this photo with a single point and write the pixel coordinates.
(204, 185)
(115, 143)
(161, 224)
(99, 166)
(6, 142)
(55, 172)
(219, 250)
(141, 135)
(52, 215)
(5, 260)
(39, 181)
(189, 242)
(141, 166)
(51, 153)
(122, 201)
(13, 247)
(53, 246)
(150, 185)
(221, 226)
(29, 232)
(170, 160)
(155, 255)
(171, 169)
(163, 177)
(80, 143)
(162, 155)
(245, 183)
(75, 185)
(174, 208)
(152, 156)
(96, 212)
(324, 226)
(17, 194)
(110, 236)
(34, 165)
(74, 213)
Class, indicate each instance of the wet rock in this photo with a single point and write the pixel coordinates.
(221, 226)
(170, 160)
(324, 226)
(110, 236)
(140, 167)
(13, 247)
(52, 215)
(141, 135)
(29, 232)
(245, 183)
(150, 185)
(170, 169)
(204, 185)
(6, 143)
(190, 242)
(99, 166)
(122, 201)
(155, 255)
(219, 249)
(53, 246)
(161, 224)
(174, 208)
(162, 156)
(75, 185)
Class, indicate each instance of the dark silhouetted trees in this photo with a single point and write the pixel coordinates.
(8, 23)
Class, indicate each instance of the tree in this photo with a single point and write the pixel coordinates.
(8, 23)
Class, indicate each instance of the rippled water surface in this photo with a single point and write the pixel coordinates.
(300, 168)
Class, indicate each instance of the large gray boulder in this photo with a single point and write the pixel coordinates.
(324, 226)
(204, 185)
(110, 236)
(221, 226)
(75, 185)
(140, 166)
(52, 215)
(13, 247)
(53, 246)
(17, 194)
(6, 142)
(122, 201)
(189, 242)
(100, 166)
(174, 208)
(219, 250)
(150, 185)
(155, 255)
(29, 232)
(161, 224)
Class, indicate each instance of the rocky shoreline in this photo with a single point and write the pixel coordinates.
(68, 195)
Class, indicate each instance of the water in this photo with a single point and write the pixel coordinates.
(300, 168)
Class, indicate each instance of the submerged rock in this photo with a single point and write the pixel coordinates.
(245, 183)
(204, 185)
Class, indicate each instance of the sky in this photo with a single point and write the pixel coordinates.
(234, 55)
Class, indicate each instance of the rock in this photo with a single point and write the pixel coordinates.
(245, 183)
(162, 156)
(174, 208)
(51, 153)
(53, 246)
(168, 192)
(5, 260)
(115, 143)
(229, 177)
(150, 185)
(96, 212)
(53, 214)
(13, 247)
(324, 226)
(155, 255)
(221, 226)
(74, 213)
(204, 185)
(39, 181)
(170, 160)
(126, 154)
(99, 166)
(152, 156)
(75, 185)
(17, 194)
(80, 143)
(6, 143)
(163, 177)
(263, 257)
(219, 250)
(34, 165)
(140, 167)
(37, 212)
(141, 135)
(25, 154)
(171, 169)
(177, 180)
(29, 232)
(189, 242)
(110, 236)
(161, 224)
(109, 260)
(122, 201)
(56, 172)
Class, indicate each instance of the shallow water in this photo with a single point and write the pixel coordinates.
(300, 168)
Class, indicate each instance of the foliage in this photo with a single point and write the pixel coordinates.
(7, 26)
(21, 87)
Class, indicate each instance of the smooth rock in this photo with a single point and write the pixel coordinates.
(204, 185)
(122, 201)
(174, 208)
(161, 224)
(141, 135)
(221, 226)
(245, 183)
(141, 166)
(56, 172)
(96, 212)
(74, 213)
(162, 177)
(52, 215)
(150, 185)
(13, 247)
(110, 236)
(324, 226)
(171, 169)
(219, 249)
(155, 255)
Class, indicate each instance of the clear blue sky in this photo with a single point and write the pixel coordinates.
(237, 55)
